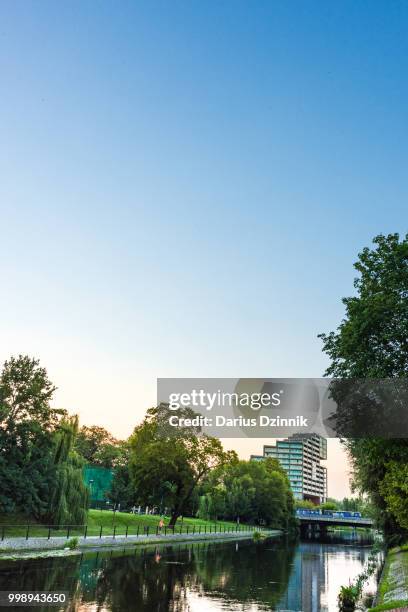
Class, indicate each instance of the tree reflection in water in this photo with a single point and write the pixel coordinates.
(236, 575)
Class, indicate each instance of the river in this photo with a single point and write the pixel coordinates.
(201, 577)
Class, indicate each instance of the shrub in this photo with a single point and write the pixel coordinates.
(347, 598)
(73, 543)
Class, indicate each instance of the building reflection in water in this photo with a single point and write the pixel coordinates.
(320, 568)
(268, 575)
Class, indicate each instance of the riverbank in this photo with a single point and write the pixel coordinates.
(107, 522)
(392, 591)
(19, 545)
(274, 573)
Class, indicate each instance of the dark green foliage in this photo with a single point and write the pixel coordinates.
(98, 447)
(73, 543)
(304, 504)
(25, 469)
(122, 490)
(372, 339)
(347, 598)
(192, 473)
(165, 467)
(69, 497)
(357, 504)
(36, 464)
(251, 491)
(372, 342)
(328, 506)
(27, 424)
(25, 393)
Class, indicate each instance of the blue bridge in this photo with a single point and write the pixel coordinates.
(318, 518)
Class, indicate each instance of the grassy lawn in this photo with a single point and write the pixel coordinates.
(118, 523)
(393, 587)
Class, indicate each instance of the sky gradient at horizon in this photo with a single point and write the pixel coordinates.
(186, 186)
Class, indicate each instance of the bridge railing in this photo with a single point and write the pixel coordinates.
(331, 513)
(332, 518)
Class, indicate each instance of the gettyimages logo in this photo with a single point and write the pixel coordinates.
(200, 398)
(280, 407)
(241, 407)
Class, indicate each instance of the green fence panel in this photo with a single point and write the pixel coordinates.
(98, 480)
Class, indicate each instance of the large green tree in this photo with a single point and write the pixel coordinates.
(372, 339)
(40, 475)
(167, 464)
(27, 423)
(98, 447)
(251, 491)
(25, 394)
(122, 490)
(372, 342)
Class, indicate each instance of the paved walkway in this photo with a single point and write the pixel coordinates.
(15, 544)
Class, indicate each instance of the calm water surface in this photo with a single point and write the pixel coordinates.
(205, 577)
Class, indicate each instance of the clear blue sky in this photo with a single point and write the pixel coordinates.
(185, 185)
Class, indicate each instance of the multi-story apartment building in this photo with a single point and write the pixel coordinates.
(300, 456)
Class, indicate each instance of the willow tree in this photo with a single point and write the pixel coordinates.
(69, 498)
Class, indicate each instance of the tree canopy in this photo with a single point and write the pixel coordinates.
(251, 491)
(372, 342)
(98, 447)
(39, 473)
(166, 466)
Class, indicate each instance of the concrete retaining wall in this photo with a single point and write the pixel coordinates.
(20, 544)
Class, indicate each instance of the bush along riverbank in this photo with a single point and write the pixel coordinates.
(393, 588)
(351, 595)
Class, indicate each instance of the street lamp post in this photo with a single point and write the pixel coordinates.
(90, 488)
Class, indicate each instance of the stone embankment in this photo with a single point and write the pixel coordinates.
(58, 543)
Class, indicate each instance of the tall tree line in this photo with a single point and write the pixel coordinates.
(43, 453)
(40, 472)
(371, 342)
